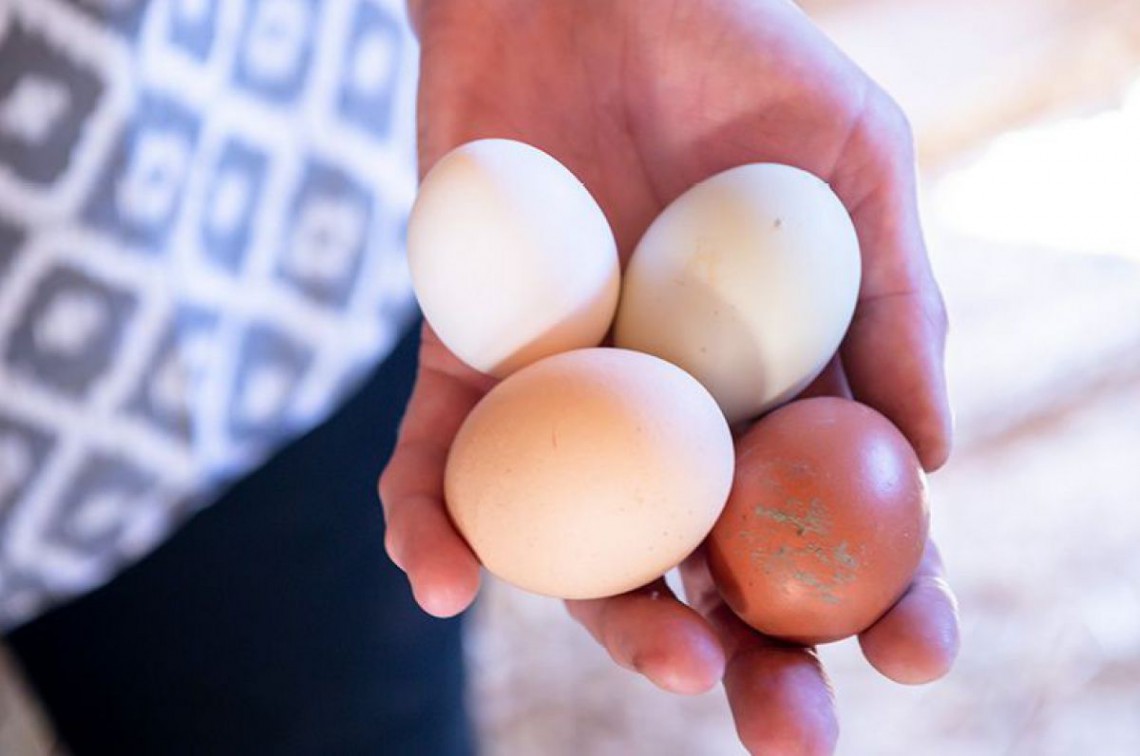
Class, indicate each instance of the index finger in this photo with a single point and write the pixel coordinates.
(893, 351)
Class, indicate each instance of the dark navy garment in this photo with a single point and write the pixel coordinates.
(272, 623)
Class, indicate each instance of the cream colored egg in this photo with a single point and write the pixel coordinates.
(748, 281)
(589, 473)
(511, 258)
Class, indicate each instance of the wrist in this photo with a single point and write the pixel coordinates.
(425, 14)
(429, 17)
(415, 13)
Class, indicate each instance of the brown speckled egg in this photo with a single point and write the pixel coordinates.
(826, 522)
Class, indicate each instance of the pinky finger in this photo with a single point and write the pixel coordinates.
(917, 640)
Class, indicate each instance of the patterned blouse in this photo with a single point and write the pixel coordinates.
(202, 211)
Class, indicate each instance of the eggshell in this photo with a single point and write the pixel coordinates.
(589, 473)
(748, 281)
(511, 258)
(826, 522)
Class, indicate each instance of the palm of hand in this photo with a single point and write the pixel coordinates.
(640, 108)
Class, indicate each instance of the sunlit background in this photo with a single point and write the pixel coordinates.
(1027, 114)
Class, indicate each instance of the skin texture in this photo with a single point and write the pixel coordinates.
(642, 100)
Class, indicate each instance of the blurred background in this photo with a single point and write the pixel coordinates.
(1027, 115)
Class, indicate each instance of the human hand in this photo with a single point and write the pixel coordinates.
(641, 101)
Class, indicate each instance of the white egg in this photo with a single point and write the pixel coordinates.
(511, 258)
(748, 281)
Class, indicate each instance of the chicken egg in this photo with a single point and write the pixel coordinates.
(826, 522)
(748, 281)
(511, 258)
(589, 473)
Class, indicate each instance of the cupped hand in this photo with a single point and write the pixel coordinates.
(641, 100)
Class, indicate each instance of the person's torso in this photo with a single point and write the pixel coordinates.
(202, 209)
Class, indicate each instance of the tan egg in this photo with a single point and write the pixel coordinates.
(747, 281)
(589, 473)
(511, 258)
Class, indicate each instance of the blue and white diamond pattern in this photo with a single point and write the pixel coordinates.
(168, 388)
(201, 226)
(22, 451)
(121, 15)
(34, 109)
(231, 202)
(328, 234)
(193, 26)
(372, 63)
(11, 239)
(69, 333)
(277, 47)
(139, 190)
(62, 98)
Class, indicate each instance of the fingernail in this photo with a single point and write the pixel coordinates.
(440, 602)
